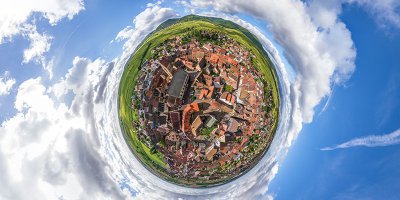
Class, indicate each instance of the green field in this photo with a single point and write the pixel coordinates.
(128, 116)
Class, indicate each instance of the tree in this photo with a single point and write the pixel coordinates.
(228, 88)
(153, 150)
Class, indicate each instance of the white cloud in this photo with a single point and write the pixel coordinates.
(54, 147)
(14, 14)
(6, 83)
(144, 22)
(16, 19)
(385, 12)
(48, 66)
(369, 141)
(40, 44)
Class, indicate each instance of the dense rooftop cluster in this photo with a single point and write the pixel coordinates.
(203, 106)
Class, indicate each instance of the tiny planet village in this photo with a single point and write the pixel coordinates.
(203, 106)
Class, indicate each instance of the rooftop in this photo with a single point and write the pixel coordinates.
(177, 83)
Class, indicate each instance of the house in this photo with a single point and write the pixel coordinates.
(171, 138)
(233, 125)
(162, 120)
(214, 58)
(223, 160)
(162, 107)
(211, 91)
(198, 55)
(196, 125)
(187, 113)
(189, 65)
(227, 98)
(210, 154)
(222, 138)
(177, 87)
(175, 120)
(202, 62)
(217, 82)
(208, 47)
(203, 93)
(210, 121)
(209, 148)
(208, 79)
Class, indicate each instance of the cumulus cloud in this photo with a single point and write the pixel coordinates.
(369, 141)
(144, 22)
(53, 147)
(16, 19)
(40, 44)
(6, 83)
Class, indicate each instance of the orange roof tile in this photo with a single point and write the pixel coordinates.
(211, 88)
(208, 79)
(187, 112)
(232, 61)
(203, 93)
(195, 107)
(224, 95)
(214, 58)
(232, 100)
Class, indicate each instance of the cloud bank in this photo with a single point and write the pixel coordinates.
(50, 148)
(369, 141)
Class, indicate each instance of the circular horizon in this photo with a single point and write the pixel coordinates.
(198, 124)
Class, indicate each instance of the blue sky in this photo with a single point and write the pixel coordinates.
(366, 104)
(347, 92)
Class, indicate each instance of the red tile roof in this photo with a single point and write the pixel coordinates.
(187, 112)
(211, 89)
(214, 58)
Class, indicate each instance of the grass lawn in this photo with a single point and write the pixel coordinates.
(207, 131)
